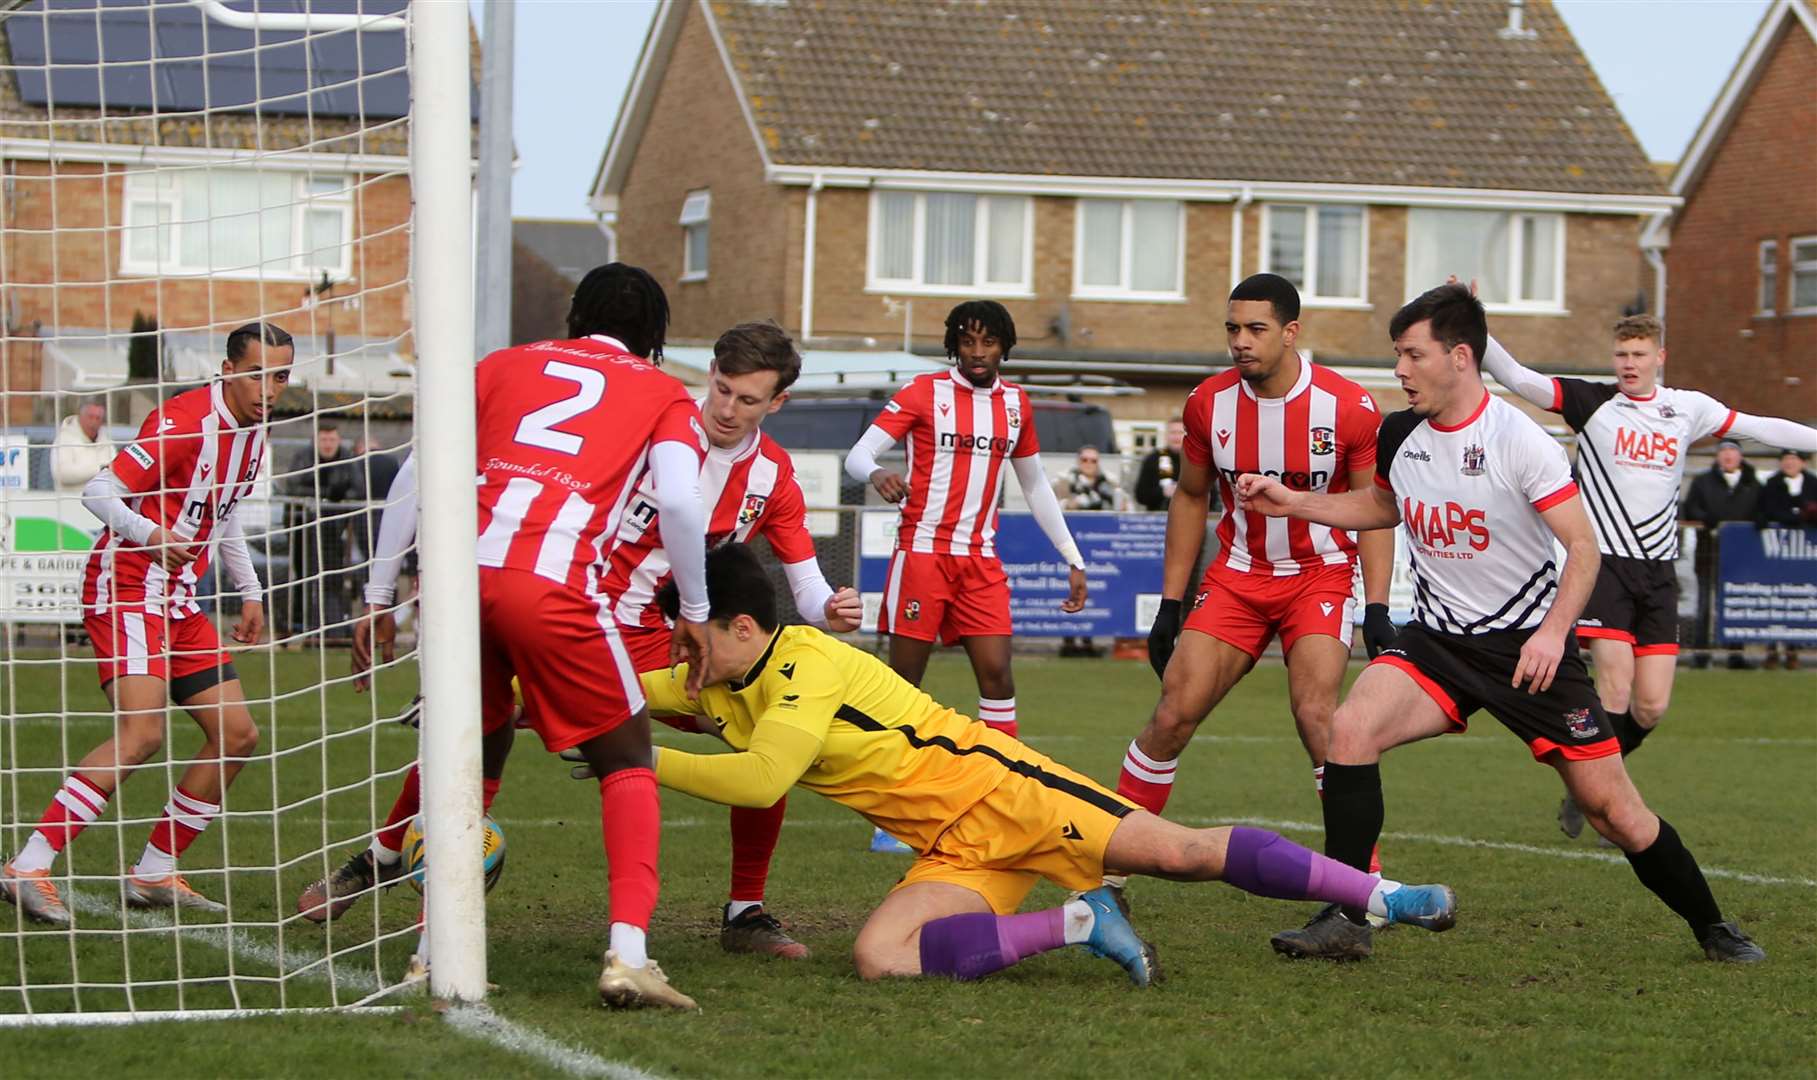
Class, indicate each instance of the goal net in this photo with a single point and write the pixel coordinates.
(170, 171)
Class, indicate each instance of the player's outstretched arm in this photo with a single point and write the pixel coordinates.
(1775, 432)
(839, 610)
(1537, 389)
(1371, 507)
(1046, 509)
(756, 777)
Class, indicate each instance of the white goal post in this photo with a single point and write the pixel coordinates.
(171, 170)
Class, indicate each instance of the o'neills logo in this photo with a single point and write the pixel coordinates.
(1416, 455)
(953, 440)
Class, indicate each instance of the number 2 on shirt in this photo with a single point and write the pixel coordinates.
(538, 428)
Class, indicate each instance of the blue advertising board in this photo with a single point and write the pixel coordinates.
(1766, 586)
(1123, 554)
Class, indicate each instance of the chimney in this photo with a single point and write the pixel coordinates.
(1516, 27)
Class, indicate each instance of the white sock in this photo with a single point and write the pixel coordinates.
(36, 855)
(998, 711)
(383, 855)
(735, 908)
(1377, 905)
(1079, 921)
(1318, 780)
(628, 943)
(155, 863)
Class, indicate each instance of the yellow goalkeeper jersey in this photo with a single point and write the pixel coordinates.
(815, 711)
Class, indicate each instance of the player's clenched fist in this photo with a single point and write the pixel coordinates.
(1263, 495)
(172, 555)
(844, 611)
(890, 485)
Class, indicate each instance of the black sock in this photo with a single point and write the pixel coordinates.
(1627, 732)
(1353, 816)
(1669, 869)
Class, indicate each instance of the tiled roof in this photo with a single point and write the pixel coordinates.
(1375, 92)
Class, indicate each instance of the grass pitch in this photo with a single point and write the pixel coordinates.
(1561, 964)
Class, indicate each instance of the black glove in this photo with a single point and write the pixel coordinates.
(1378, 629)
(412, 716)
(1162, 635)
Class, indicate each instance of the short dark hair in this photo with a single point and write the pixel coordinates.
(758, 346)
(737, 584)
(327, 425)
(988, 316)
(241, 338)
(1277, 290)
(623, 302)
(1457, 319)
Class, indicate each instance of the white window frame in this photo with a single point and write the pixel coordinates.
(1309, 299)
(1516, 249)
(141, 186)
(1799, 266)
(696, 213)
(917, 284)
(1766, 266)
(1122, 292)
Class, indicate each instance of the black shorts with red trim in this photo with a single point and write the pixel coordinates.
(1467, 672)
(1634, 601)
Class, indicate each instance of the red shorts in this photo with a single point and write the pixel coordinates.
(563, 648)
(945, 597)
(1248, 610)
(183, 652)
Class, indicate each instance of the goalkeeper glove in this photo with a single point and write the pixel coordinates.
(1378, 629)
(1162, 635)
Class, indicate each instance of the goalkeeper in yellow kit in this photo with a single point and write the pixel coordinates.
(986, 814)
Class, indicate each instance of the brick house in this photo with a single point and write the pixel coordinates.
(107, 181)
(1740, 254)
(1109, 171)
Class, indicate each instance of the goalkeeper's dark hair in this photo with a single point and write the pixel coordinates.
(241, 338)
(622, 302)
(1273, 288)
(1457, 318)
(737, 584)
(987, 316)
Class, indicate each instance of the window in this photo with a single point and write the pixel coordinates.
(950, 242)
(1769, 277)
(1318, 248)
(696, 210)
(1804, 275)
(1516, 259)
(237, 223)
(1128, 249)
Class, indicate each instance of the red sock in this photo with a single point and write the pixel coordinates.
(1375, 853)
(630, 816)
(488, 790)
(1145, 781)
(185, 818)
(999, 714)
(397, 823)
(71, 809)
(754, 834)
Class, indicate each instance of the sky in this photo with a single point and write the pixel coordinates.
(1663, 61)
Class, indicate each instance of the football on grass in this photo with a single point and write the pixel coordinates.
(492, 856)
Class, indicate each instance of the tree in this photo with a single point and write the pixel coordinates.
(142, 359)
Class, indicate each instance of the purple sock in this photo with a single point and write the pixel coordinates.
(1266, 864)
(972, 946)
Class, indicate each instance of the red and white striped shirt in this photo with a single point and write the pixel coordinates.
(959, 437)
(564, 436)
(189, 468)
(1310, 440)
(752, 490)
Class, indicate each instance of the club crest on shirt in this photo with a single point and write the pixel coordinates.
(1667, 412)
(1015, 417)
(1324, 444)
(1581, 724)
(913, 611)
(1473, 460)
(752, 508)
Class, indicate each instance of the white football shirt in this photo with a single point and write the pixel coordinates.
(1470, 498)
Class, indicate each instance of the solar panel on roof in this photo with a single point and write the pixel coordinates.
(168, 56)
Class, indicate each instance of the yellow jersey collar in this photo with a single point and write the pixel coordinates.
(756, 669)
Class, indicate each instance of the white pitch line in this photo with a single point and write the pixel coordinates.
(226, 939)
(480, 1022)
